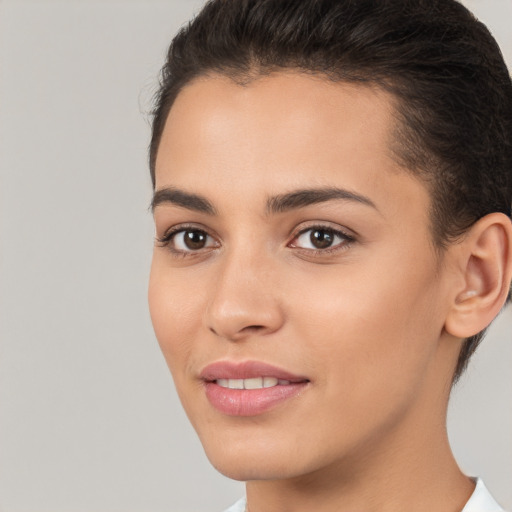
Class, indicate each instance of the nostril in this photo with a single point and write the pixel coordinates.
(247, 330)
(253, 328)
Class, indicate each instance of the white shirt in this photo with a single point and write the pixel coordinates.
(480, 501)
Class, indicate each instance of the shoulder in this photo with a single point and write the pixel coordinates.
(481, 500)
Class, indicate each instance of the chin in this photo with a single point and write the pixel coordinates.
(269, 459)
(243, 472)
(244, 462)
(245, 469)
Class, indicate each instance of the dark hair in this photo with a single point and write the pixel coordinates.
(452, 89)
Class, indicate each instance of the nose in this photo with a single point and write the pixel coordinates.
(245, 300)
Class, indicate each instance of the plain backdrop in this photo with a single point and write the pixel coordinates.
(89, 420)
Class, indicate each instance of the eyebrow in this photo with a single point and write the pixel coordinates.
(276, 204)
(184, 199)
(302, 198)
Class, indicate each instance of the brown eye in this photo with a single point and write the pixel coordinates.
(188, 240)
(194, 239)
(321, 238)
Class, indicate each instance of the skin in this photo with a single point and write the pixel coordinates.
(364, 320)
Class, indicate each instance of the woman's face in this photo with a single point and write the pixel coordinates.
(294, 260)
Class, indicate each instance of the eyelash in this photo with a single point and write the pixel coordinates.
(168, 237)
(346, 239)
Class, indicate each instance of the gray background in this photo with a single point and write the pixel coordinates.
(89, 420)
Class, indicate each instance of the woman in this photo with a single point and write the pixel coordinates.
(332, 204)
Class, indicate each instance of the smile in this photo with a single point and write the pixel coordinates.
(249, 388)
(253, 383)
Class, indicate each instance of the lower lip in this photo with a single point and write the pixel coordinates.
(250, 402)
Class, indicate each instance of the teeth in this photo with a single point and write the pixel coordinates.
(236, 383)
(269, 382)
(254, 383)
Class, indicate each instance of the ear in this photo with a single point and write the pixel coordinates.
(485, 265)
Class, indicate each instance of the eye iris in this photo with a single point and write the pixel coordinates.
(321, 238)
(194, 239)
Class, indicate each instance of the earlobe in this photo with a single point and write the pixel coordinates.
(486, 267)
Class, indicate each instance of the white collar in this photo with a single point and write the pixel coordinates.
(480, 501)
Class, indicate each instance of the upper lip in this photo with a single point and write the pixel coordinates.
(246, 370)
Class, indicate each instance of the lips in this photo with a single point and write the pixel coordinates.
(249, 388)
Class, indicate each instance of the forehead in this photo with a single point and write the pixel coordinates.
(283, 131)
(283, 112)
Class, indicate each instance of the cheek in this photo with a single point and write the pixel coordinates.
(372, 329)
(364, 349)
(175, 309)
